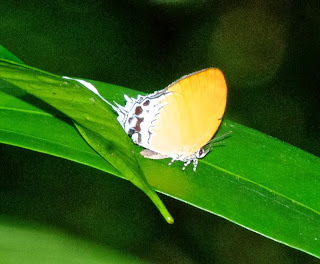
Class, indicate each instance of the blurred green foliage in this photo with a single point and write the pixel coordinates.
(269, 53)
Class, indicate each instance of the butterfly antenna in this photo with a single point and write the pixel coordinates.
(225, 135)
(217, 140)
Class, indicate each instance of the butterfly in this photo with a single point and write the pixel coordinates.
(179, 121)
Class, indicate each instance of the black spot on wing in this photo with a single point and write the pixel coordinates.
(137, 127)
(146, 102)
(138, 110)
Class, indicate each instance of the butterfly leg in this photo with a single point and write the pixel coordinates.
(173, 160)
(186, 164)
(195, 164)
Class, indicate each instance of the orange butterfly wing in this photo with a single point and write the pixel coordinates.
(195, 106)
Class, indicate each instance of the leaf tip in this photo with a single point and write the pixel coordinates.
(170, 219)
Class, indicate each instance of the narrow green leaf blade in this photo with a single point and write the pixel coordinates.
(106, 150)
(90, 113)
(26, 243)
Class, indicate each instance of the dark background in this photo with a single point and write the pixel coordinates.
(269, 52)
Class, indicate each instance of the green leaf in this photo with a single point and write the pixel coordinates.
(256, 181)
(94, 119)
(22, 243)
